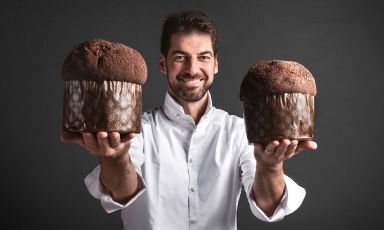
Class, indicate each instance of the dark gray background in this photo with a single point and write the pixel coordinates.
(340, 42)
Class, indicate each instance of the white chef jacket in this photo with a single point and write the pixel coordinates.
(191, 175)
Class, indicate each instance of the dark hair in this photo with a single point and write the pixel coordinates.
(187, 22)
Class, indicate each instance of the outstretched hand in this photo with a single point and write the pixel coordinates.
(275, 153)
(101, 144)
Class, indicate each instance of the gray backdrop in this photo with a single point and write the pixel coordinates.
(340, 42)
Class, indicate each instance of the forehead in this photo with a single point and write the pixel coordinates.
(191, 43)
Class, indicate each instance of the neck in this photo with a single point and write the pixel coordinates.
(194, 109)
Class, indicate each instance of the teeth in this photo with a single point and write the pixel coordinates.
(194, 82)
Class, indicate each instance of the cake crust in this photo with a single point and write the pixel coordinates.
(277, 77)
(101, 60)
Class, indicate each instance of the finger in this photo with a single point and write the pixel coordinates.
(114, 139)
(72, 137)
(291, 149)
(282, 148)
(66, 137)
(306, 145)
(103, 140)
(90, 140)
(271, 147)
(127, 137)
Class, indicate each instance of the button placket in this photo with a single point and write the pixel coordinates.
(193, 187)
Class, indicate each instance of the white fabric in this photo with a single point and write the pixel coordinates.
(191, 174)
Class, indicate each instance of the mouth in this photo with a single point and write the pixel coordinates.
(192, 82)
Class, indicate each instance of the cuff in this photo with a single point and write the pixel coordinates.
(94, 187)
(292, 199)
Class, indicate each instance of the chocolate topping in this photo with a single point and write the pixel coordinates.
(100, 60)
(277, 77)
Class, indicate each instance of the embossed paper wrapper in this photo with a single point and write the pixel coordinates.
(91, 106)
(278, 117)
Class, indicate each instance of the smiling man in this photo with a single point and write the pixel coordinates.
(186, 168)
(190, 65)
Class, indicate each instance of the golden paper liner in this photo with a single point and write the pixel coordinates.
(92, 106)
(278, 117)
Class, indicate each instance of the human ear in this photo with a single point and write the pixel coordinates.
(216, 70)
(162, 65)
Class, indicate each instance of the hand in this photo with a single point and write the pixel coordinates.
(276, 152)
(101, 144)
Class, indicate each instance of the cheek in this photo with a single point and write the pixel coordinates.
(209, 70)
(174, 67)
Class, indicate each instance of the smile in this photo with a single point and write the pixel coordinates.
(192, 82)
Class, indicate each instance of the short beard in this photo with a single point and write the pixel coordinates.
(185, 94)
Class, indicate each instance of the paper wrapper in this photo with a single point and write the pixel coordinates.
(91, 106)
(277, 117)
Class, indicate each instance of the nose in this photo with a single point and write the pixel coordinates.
(193, 66)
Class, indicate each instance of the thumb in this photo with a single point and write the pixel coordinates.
(306, 145)
(72, 137)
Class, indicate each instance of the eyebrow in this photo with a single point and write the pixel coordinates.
(179, 52)
(185, 53)
(206, 52)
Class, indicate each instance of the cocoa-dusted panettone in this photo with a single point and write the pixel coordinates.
(103, 87)
(278, 101)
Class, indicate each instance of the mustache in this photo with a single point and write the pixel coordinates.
(189, 76)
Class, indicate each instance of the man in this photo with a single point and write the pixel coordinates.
(186, 168)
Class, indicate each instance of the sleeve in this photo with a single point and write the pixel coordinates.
(292, 198)
(93, 184)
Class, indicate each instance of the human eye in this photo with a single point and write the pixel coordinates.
(179, 58)
(205, 58)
